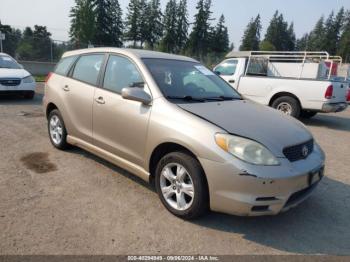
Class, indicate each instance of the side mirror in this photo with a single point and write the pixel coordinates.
(136, 94)
(217, 72)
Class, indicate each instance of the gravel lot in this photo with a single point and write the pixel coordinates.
(54, 202)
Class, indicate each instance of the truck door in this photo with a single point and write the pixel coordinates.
(228, 70)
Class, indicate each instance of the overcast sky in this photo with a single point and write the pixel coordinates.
(55, 13)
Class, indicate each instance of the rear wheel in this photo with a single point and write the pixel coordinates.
(287, 105)
(181, 185)
(29, 94)
(307, 114)
(57, 130)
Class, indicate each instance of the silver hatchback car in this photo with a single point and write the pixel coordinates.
(173, 122)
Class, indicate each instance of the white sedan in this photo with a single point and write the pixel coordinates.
(14, 79)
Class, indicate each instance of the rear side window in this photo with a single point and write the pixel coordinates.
(64, 65)
(120, 73)
(88, 68)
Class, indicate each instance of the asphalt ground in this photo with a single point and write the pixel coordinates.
(55, 202)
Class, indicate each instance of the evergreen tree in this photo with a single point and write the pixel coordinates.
(332, 29)
(25, 48)
(144, 29)
(169, 41)
(82, 29)
(117, 26)
(182, 25)
(279, 34)
(251, 37)
(344, 42)
(316, 36)
(133, 22)
(302, 43)
(154, 23)
(199, 37)
(220, 40)
(291, 39)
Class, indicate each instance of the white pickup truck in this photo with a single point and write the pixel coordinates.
(297, 83)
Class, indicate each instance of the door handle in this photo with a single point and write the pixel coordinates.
(100, 100)
(66, 88)
(231, 81)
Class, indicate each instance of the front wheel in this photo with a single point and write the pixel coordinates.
(287, 105)
(181, 185)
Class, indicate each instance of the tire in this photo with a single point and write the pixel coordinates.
(287, 105)
(29, 95)
(194, 177)
(59, 130)
(307, 114)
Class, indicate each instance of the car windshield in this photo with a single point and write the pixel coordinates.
(189, 81)
(8, 62)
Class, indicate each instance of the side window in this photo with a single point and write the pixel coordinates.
(64, 65)
(258, 66)
(227, 68)
(87, 68)
(120, 73)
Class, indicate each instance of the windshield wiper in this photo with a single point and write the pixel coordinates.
(223, 98)
(187, 98)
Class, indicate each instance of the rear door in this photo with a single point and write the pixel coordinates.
(78, 92)
(119, 125)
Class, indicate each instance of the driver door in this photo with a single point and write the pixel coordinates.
(120, 126)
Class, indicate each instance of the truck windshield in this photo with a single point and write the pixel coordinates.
(189, 81)
(8, 62)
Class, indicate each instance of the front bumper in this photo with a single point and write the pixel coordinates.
(334, 107)
(261, 190)
(22, 87)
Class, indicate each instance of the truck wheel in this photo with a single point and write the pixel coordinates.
(287, 105)
(181, 186)
(307, 114)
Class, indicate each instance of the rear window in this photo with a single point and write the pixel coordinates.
(88, 68)
(64, 65)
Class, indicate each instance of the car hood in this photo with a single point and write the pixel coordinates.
(13, 73)
(257, 122)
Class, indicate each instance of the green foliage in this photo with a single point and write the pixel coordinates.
(13, 38)
(280, 34)
(169, 41)
(267, 46)
(199, 41)
(219, 41)
(133, 21)
(154, 26)
(83, 26)
(251, 36)
(344, 42)
(316, 37)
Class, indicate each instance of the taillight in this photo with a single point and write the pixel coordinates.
(48, 77)
(348, 97)
(329, 92)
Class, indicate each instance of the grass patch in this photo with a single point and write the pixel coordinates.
(40, 78)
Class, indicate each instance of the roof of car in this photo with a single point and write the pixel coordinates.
(139, 53)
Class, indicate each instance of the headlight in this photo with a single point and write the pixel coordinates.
(28, 80)
(246, 150)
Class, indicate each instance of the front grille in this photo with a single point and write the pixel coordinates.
(10, 82)
(297, 152)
